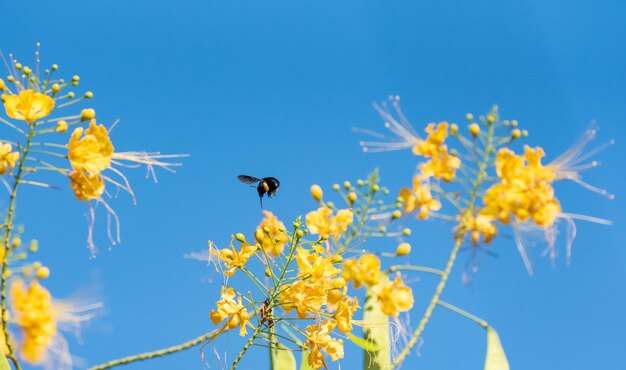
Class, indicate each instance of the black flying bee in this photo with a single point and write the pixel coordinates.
(267, 185)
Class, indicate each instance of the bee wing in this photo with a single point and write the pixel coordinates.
(248, 179)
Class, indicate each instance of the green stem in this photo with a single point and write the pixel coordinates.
(464, 313)
(158, 353)
(431, 306)
(6, 246)
(256, 333)
(429, 270)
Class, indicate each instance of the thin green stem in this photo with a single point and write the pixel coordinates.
(429, 270)
(158, 353)
(6, 246)
(431, 306)
(464, 313)
(256, 333)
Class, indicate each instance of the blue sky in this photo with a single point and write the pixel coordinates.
(273, 88)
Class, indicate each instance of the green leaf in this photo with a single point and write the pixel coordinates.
(376, 332)
(368, 346)
(304, 365)
(281, 358)
(4, 364)
(495, 359)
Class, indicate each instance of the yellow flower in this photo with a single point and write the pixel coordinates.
(7, 158)
(436, 136)
(304, 296)
(525, 190)
(477, 226)
(313, 266)
(441, 166)
(395, 297)
(273, 242)
(343, 314)
(28, 105)
(32, 307)
(364, 271)
(86, 186)
(420, 198)
(92, 152)
(318, 340)
(322, 221)
(39, 317)
(235, 311)
(233, 258)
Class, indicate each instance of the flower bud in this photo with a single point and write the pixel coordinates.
(16, 242)
(266, 229)
(375, 188)
(336, 259)
(27, 71)
(347, 185)
(396, 214)
(268, 272)
(88, 95)
(61, 126)
(454, 129)
(360, 182)
(406, 232)
(469, 117)
(55, 67)
(42, 272)
(474, 129)
(514, 123)
(316, 192)
(299, 234)
(403, 249)
(71, 95)
(87, 114)
(18, 66)
(352, 197)
(56, 88)
(336, 187)
(240, 237)
(2, 85)
(491, 118)
(516, 133)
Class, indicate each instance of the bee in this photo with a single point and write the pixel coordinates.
(267, 185)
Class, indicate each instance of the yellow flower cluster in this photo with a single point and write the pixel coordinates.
(318, 340)
(33, 313)
(324, 223)
(234, 311)
(525, 189)
(89, 155)
(271, 234)
(441, 164)
(419, 198)
(320, 289)
(395, 296)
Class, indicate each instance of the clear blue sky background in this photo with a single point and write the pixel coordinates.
(273, 88)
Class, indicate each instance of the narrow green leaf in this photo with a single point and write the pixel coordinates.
(376, 332)
(4, 364)
(495, 359)
(304, 365)
(281, 358)
(368, 346)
